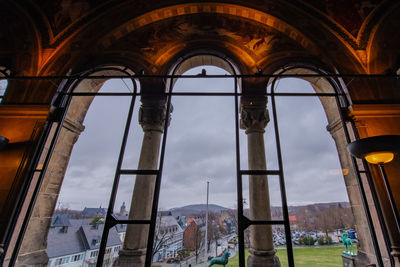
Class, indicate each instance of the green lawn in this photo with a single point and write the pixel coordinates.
(305, 257)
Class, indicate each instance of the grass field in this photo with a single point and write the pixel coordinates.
(305, 257)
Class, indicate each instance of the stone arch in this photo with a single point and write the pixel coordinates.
(33, 247)
(216, 8)
(201, 58)
(78, 109)
(320, 85)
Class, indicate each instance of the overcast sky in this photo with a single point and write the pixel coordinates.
(201, 147)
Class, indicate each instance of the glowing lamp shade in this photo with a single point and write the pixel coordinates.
(377, 149)
(379, 157)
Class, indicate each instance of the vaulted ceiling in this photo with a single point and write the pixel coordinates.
(50, 37)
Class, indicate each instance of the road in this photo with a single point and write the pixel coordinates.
(192, 260)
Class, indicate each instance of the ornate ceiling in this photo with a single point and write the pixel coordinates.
(346, 17)
(349, 14)
(52, 36)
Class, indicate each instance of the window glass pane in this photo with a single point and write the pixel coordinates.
(203, 85)
(95, 155)
(307, 85)
(200, 148)
(88, 179)
(314, 178)
(3, 87)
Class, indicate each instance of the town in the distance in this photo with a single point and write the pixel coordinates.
(75, 235)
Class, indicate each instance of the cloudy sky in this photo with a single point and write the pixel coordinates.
(201, 148)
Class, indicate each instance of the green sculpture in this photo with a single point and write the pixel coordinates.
(223, 260)
(348, 244)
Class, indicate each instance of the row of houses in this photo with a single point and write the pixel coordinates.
(168, 238)
(75, 242)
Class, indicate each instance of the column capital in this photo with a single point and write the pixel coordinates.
(254, 115)
(152, 113)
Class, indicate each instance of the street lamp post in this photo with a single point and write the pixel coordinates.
(206, 237)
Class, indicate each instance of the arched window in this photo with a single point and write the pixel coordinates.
(4, 73)
(240, 128)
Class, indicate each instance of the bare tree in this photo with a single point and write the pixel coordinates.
(234, 217)
(215, 231)
(326, 221)
(305, 219)
(214, 235)
(161, 237)
(233, 213)
(198, 242)
(335, 217)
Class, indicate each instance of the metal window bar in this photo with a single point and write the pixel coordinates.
(66, 96)
(239, 185)
(110, 219)
(285, 211)
(175, 76)
(202, 94)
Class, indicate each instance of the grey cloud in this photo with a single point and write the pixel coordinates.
(201, 146)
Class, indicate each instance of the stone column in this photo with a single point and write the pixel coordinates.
(254, 118)
(152, 115)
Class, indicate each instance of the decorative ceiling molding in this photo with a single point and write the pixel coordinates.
(216, 8)
(359, 41)
(374, 110)
(68, 21)
(24, 111)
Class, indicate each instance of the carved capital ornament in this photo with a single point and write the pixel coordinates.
(253, 117)
(152, 116)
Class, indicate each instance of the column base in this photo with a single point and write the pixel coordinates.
(259, 258)
(396, 255)
(34, 259)
(348, 260)
(131, 258)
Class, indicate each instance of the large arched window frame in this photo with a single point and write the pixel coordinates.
(64, 100)
(66, 112)
(4, 73)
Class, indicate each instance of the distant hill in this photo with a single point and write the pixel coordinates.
(195, 209)
(312, 209)
(317, 207)
(191, 210)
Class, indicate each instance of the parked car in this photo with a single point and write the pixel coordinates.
(352, 234)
